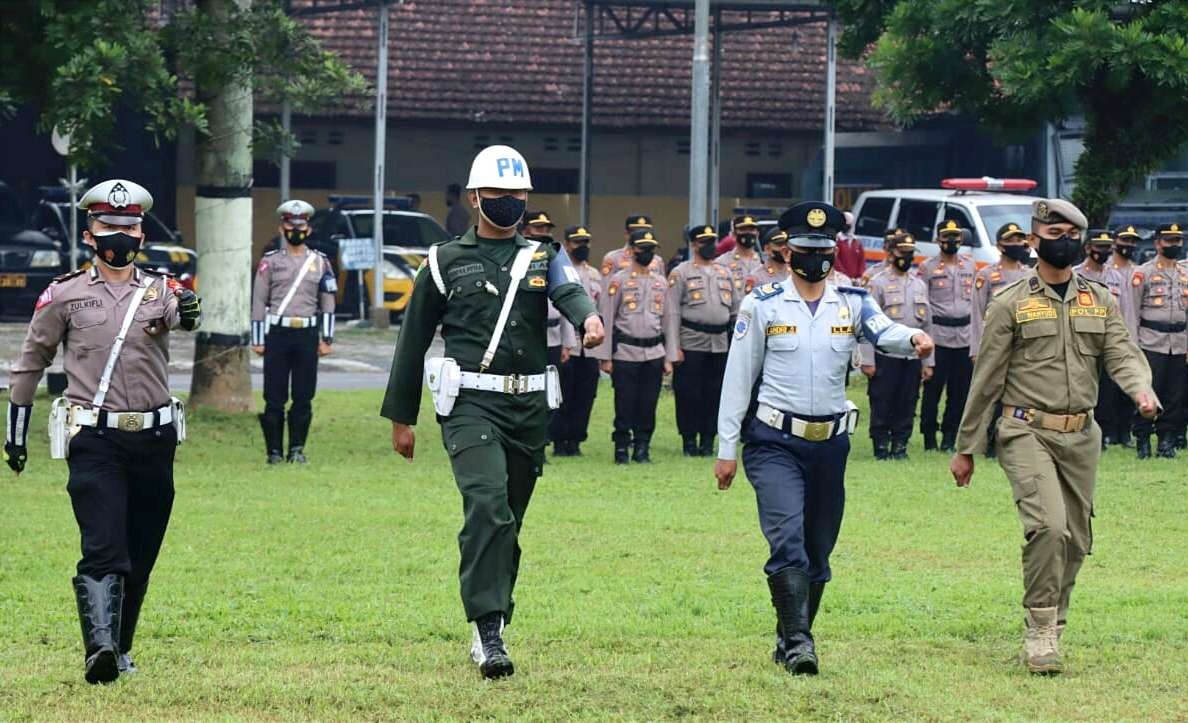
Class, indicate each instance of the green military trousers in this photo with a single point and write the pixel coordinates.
(1052, 477)
(496, 480)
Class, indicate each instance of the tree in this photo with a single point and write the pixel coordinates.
(80, 63)
(1016, 65)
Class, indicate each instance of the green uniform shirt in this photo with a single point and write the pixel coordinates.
(1044, 352)
(476, 274)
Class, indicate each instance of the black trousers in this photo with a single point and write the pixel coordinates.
(579, 387)
(637, 390)
(697, 388)
(1169, 380)
(121, 489)
(1112, 416)
(893, 393)
(290, 354)
(952, 372)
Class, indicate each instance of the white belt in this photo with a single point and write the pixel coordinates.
(127, 421)
(504, 383)
(293, 322)
(812, 431)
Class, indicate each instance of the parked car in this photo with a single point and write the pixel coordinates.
(177, 261)
(29, 259)
(981, 205)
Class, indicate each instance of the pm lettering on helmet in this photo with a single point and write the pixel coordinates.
(513, 165)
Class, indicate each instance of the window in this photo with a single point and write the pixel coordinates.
(775, 150)
(554, 180)
(302, 174)
(49, 223)
(402, 229)
(769, 185)
(918, 218)
(683, 147)
(574, 144)
(874, 217)
(550, 144)
(334, 138)
(752, 148)
(962, 218)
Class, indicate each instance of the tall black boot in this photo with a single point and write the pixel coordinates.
(298, 431)
(641, 452)
(622, 441)
(948, 442)
(99, 607)
(1167, 447)
(929, 441)
(882, 448)
(790, 598)
(899, 449)
(488, 650)
(1142, 446)
(689, 445)
(273, 426)
(707, 446)
(129, 616)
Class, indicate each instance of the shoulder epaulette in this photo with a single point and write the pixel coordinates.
(857, 291)
(274, 251)
(768, 290)
(68, 276)
(1094, 282)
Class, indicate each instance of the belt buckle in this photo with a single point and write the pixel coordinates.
(130, 422)
(773, 418)
(514, 384)
(297, 323)
(817, 431)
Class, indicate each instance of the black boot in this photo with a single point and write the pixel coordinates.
(487, 648)
(273, 426)
(641, 453)
(561, 449)
(622, 441)
(1181, 441)
(129, 616)
(1142, 446)
(99, 607)
(707, 446)
(930, 441)
(575, 449)
(1107, 440)
(1167, 448)
(948, 442)
(882, 447)
(816, 590)
(899, 449)
(689, 445)
(790, 597)
(298, 431)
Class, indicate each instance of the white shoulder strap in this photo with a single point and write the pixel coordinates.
(105, 380)
(305, 267)
(518, 269)
(435, 271)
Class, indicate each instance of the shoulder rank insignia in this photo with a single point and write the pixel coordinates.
(1137, 279)
(1033, 285)
(768, 290)
(613, 288)
(68, 276)
(672, 279)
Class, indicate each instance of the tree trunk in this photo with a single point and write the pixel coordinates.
(223, 227)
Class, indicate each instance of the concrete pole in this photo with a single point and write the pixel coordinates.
(379, 315)
(699, 114)
(830, 107)
(715, 194)
(286, 125)
(587, 115)
(73, 216)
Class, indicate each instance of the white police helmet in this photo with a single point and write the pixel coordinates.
(117, 202)
(499, 167)
(295, 212)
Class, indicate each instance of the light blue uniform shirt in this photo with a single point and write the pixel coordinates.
(802, 356)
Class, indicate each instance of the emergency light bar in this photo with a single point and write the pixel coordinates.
(986, 183)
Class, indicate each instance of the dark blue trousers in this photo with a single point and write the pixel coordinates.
(800, 488)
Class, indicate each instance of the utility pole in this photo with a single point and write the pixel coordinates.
(379, 315)
(830, 107)
(699, 114)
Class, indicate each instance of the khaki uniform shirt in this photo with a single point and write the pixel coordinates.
(989, 281)
(837, 278)
(744, 268)
(1045, 352)
(950, 293)
(559, 333)
(1159, 296)
(592, 283)
(770, 274)
(873, 271)
(1125, 269)
(634, 304)
(85, 312)
(275, 276)
(903, 298)
(702, 295)
(621, 259)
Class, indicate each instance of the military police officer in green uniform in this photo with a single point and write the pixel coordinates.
(489, 290)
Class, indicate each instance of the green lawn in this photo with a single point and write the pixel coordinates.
(330, 592)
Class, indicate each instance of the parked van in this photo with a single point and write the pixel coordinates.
(982, 205)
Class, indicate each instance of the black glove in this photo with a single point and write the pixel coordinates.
(15, 457)
(189, 307)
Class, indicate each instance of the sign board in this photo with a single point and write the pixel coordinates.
(356, 253)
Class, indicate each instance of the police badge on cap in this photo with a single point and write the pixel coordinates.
(117, 202)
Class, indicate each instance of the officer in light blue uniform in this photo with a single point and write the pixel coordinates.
(784, 397)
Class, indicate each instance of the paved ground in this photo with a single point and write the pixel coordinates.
(362, 358)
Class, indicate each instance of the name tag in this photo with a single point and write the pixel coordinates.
(1094, 311)
(1032, 309)
(847, 329)
(778, 329)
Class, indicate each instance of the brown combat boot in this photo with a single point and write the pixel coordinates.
(1041, 646)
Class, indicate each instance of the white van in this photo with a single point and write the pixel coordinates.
(919, 210)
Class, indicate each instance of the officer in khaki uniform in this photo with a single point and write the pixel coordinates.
(538, 226)
(743, 260)
(621, 258)
(950, 279)
(1120, 406)
(702, 303)
(894, 385)
(292, 325)
(1159, 311)
(775, 247)
(579, 371)
(1099, 246)
(635, 307)
(1045, 340)
(494, 431)
(114, 321)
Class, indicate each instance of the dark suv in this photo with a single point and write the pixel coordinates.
(29, 259)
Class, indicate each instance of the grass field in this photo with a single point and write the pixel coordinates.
(330, 592)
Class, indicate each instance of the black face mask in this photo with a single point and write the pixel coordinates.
(949, 247)
(1173, 252)
(1126, 251)
(580, 253)
(1099, 256)
(644, 257)
(502, 211)
(1017, 252)
(812, 266)
(296, 236)
(707, 251)
(746, 240)
(1059, 252)
(903, 263)
(116, 249)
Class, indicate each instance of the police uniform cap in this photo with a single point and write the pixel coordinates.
(1057, 210)
(744, 221)
(1170, 230)
(1129, 233)
(950, 226)
(1007, 230)
(1099, 237)
(643, 237)
(577, 233)
(700, 232)
(813, 224)
(905, 241)
(536, 218)
(117, 202)
(638, 220)
(775, 235)
(295, 212)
